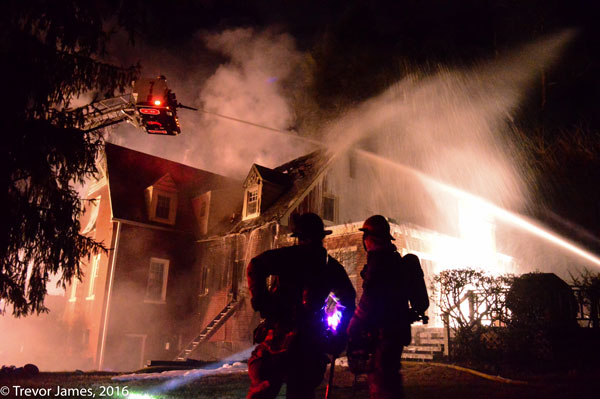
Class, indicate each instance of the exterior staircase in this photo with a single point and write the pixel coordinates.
(428, 343)
(209, 330)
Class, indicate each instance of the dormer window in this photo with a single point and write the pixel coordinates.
(163, 206)
(161, 200)
(252, 201)
(262, 187)
(252, 195)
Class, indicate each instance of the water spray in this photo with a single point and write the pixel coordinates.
(500, 213)
(508, 77)
(190, 376)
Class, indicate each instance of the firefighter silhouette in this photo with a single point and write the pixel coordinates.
(394, 296)
(292, 345)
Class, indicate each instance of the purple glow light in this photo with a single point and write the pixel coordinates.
(333, 312)
(334, 320)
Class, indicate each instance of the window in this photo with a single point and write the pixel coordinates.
(352, 165)
(93, 276)
(163, 206)
(156, 290)
(74, 284)
(329, 208)
(204, 281)
(93, 212)
(161, 200)
(201, 205)
(252, 202)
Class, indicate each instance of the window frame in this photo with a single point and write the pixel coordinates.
(94, 211)
(73, 293)
(203, 288)
(165, 278)
(158, 206)
(333, 198)
(201, 205)
(93, 276)
(152, 197)
(255, 189)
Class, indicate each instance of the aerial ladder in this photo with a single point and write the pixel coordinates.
(151, 106)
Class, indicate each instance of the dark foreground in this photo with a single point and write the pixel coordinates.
(422, 380)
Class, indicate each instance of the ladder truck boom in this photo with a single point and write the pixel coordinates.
(151, 106)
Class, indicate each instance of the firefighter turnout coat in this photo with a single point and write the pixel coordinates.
(301, 279)
(393, 287)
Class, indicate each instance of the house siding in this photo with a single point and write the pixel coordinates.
(83, 313)
(130, 314)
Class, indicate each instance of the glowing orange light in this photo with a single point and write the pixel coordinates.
(157, 102)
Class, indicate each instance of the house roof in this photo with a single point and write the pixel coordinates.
(273, 176)
(302, 172)
(130, 172)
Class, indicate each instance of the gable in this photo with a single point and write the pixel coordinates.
(165, 183)
(253, 177)
(301, 175)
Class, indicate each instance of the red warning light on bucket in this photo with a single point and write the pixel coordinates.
(149, 111)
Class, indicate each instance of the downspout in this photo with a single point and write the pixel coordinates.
(108, 296)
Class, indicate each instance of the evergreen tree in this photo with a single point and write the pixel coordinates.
(52, 52)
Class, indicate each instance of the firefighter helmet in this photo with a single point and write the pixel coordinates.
(377, 226)
(308, 225)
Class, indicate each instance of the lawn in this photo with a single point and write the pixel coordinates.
(422, 380)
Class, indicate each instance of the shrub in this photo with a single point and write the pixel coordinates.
(472, 303)
(588, 295)
(543, 321)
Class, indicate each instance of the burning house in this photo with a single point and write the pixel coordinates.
(173, 283)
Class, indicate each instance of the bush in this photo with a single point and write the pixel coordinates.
(588, 294)
(543, 320)
(472, 303)
(527, 322)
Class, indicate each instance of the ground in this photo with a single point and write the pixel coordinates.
(422, 380)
